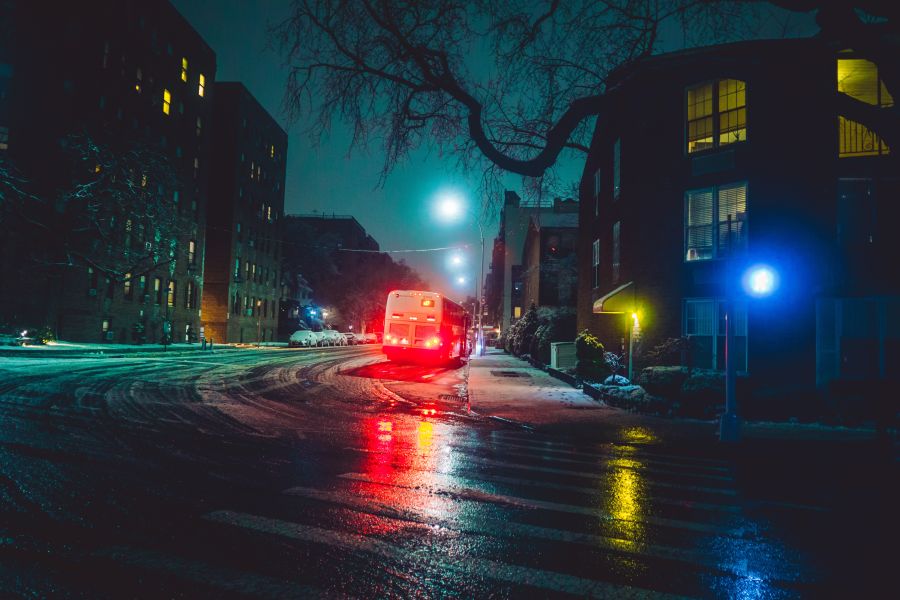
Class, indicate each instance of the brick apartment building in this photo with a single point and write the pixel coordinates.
(714, 159)
(134, 80)
(242, 281)
(549, 270)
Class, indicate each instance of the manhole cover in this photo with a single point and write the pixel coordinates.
(510, 374)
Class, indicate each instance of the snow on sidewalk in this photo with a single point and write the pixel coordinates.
(501, 385)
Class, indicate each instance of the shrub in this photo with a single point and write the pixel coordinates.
(702, 393)
(555, 325)
(663, 381)
(43, 334)
(669, 352)
(589, 357)
(526, 326)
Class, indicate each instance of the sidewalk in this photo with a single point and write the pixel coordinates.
(96, 350)
(507, 388)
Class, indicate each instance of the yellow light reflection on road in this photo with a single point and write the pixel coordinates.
(625, 490)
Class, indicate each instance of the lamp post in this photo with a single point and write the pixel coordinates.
(451, 207)
(758, 281)
(258, 321)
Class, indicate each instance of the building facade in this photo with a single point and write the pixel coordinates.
(105, 110)
(719, 158)
(243, 285)
(549, 270)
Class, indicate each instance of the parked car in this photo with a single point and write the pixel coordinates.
(350, 338)
(371, 338)
(320, 338)
(359, 338)
(303, 338)
(333, 338)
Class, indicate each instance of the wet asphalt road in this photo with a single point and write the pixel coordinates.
(330, 473)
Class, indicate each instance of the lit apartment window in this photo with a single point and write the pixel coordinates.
(192, 252)
(616, 251)
(167, 101)
(138, 81)
(176, 196)
(860, 79)
(157, 290)
(272, 151)
(596, 263)
(715, 221)
(142, 288)
(170, 293)
(237, 268)
(716, 114)
(184, 64)
(704, 324)
(196, 167)
(127, 286)
(201, 87)
(617, 168)
(105, 325)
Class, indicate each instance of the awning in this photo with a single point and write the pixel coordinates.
(617, 302)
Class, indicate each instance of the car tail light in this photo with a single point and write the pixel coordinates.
(433, 342)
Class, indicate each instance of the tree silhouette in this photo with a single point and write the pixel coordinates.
(516, 83)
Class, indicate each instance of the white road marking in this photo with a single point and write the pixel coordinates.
(463, 565)
(490, 527)
(468, 493)
(588, 475)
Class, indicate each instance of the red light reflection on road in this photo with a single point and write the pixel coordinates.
(400, 461)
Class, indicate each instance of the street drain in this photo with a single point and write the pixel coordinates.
(451, 398)
(510, 374)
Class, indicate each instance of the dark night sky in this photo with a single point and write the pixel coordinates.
(329, 178)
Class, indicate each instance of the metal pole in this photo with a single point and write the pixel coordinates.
(731, 426)
(481, 296)
(630, 346)
(258, 322)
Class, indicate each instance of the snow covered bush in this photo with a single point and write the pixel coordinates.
(520, 339)
(555, 325)
(589, 357)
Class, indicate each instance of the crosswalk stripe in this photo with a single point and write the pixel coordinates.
(200, 572)
(594, 476)
(478, 495)
(592, 456)
(645, 449)
(491, 527)
(472, 567)
(635, 463)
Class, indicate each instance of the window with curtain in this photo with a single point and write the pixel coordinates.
(715, 221)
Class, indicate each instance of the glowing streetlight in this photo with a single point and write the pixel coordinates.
(450, 206)
(456, 259)
(461, 280)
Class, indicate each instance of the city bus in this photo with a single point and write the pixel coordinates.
(424, 327)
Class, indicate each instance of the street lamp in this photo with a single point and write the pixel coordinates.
(450, 207)
(758, 281)
(258, 321)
